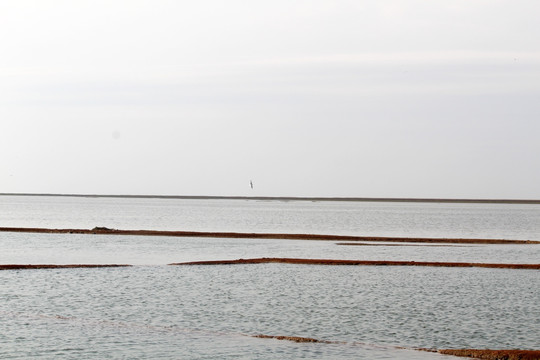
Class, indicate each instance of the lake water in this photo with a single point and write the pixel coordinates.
(211, 312)
(508, 221)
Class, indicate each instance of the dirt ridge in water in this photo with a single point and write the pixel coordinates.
(297, 339)
(358, 262)
(99, 230)
(488, 354)
(493, 354)
(372, 244)
(53, 266)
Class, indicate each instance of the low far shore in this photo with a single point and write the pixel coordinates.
(288, 198)
(237, 235)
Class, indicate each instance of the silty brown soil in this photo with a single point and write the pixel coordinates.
(297, 339)
(50, 266)
(358, 262)
(236, 235)
(470, 353)
(494, 354)
(371, 244)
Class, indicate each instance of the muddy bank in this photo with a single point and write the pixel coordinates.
(470, 353)
(235, 235)
(494, 354)
(358, 262)
(371, 244)
(50, 266)
(297, 339)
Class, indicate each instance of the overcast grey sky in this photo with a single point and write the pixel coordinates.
(374, 98)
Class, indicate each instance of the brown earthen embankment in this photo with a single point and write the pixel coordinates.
(487, 354)
(52, 266)
(359, 263)
(494, 354)
(416, 244)
(297, 339)
(237, 235)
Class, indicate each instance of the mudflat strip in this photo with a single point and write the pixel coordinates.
(417, 244)
(236, 235)
(359, 262)
(297, 339)
(52, 266)
(487, 354)
(494, 354)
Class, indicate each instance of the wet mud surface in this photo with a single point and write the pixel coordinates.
(494, 354)
(487, 354)
(297, 339)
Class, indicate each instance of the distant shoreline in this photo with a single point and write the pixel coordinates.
(287, 198)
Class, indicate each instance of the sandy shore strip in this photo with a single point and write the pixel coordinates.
(52, 266)
(359, 263)
(240, 235)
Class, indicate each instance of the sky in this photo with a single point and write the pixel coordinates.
(372, 98)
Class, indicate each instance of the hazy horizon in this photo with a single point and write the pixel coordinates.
(286, 198)
(339, 98)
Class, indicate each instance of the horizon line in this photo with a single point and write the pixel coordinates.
(289, 198)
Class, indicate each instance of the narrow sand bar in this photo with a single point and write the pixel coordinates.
(359, 263)
(416, 244)
(239, 235)
(488, 354)
(52, 266)
(493, 354)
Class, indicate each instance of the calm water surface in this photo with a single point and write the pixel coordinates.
(158, 250)
(187, 312)
(211, 312)
(352, 218)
